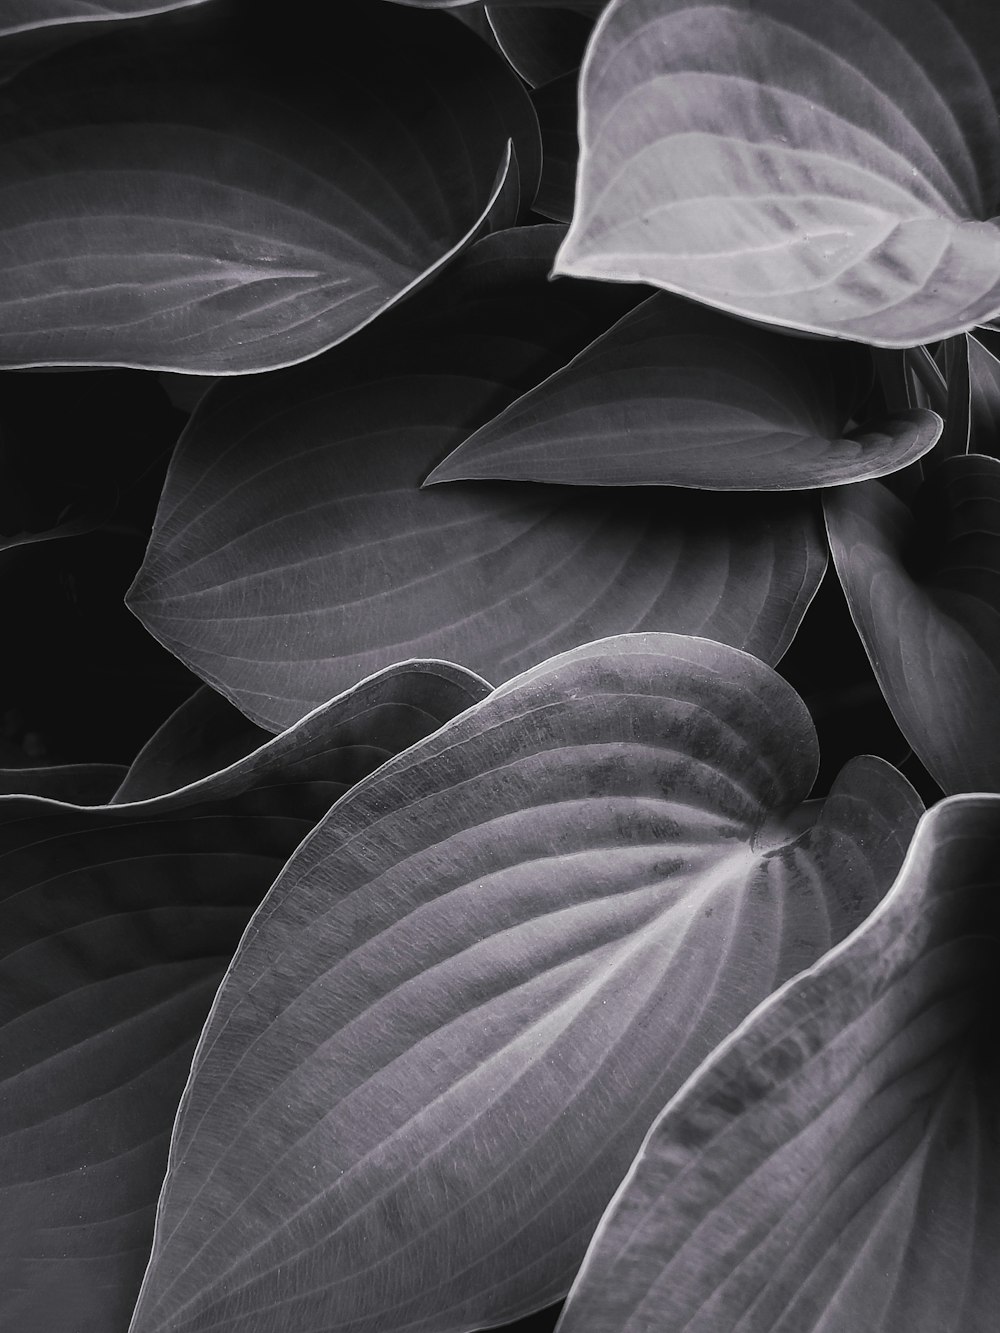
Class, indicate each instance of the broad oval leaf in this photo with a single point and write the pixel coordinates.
(834, 1165)
(246, 200)
(832, 168)
(679, 395)
(116, 925)
(294, 551)
(205, 733)
(448, 1026)
(923, 586)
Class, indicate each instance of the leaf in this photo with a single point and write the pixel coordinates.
(76, 784)
(833, 1166)
(984, 369)
(448, 1026)
(543, 41)
(204, 734)
(555, 107)
(924, 591)
(246, 200)
(279, 603)
(679, 395)
(22, 15)
(831, 168)
(117, 924)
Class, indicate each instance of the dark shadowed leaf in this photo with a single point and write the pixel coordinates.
(543, 41)
(116, 926)
(450, 1023)
(555, 106)
(679, 395)
(204, 734)
(245, 200)
(294, 551)
(77, 784)
(830, 167)
(923, 586)
(19, 16)
(984, 372)
(834, 1166)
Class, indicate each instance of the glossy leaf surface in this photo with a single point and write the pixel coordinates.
(834, 1166)
(454, 1016)
(245, 200)
(924, 590)
(679, 395)
(117, 924)
(832, 168)
(281, 606)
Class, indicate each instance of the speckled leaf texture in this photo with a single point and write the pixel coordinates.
(923, 585)
(117, 923)
(828, 167)
(680, 395)
(243, 197)
(451, 1022)
(835, 1166)
(279, 605)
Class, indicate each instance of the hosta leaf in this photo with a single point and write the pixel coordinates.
(204, 734)
(77, 784)
(833, 1167)
(923, 586)
(832, 168)
(555, 106)
(117, 924)
(451, 1021)
(19, 16)
(984, 371)
(679, 395)
(543, 41)
(294, 551)
(246, 200)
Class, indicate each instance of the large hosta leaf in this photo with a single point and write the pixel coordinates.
(461, 1005)
(924, 590)
(116, 926)
(829, 167)
(294, 551)
(679, 395)
(834, 1166)
(247, 199)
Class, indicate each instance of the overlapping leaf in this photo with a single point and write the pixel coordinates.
(204, 734)
(924, 591)
(543, 41)
(294, 551)
(984, 373)
(248, 199)
(555, 106)
(829, 167)
(449, 1024)
(680, 395)
(117, 924)
(834, 1166)
(19, 16)
(76, 784)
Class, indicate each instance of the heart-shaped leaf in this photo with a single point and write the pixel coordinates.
(679, 395)
(833, 1167)
(116, 926)
(450, 1023)
(205, 733)
(246, 200)
(923, 586)
(832, 168)
(294, 551)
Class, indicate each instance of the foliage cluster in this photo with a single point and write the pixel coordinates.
(459, 471)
